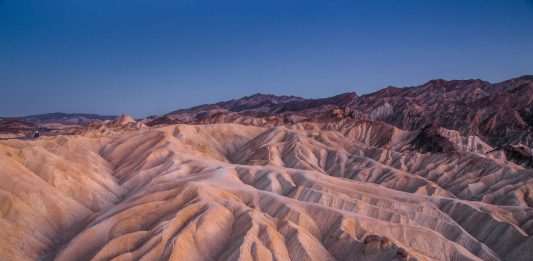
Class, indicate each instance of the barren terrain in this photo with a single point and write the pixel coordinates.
(281, 178)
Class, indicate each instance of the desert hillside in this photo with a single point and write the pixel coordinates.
(434, 172)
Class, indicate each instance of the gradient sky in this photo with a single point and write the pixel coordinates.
(152, 57)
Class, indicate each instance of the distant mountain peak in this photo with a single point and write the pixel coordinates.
(442, 82)
(270, 96)
(63, 118)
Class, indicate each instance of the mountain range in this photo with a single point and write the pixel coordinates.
(439, 171)
(476, 107)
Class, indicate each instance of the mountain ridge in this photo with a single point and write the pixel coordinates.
(60, 117)
(470, 106)
(440, 171)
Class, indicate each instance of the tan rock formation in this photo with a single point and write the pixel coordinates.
(235, 192)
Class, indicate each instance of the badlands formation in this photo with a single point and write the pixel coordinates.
(375, 177)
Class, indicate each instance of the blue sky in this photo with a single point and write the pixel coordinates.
(152, 57)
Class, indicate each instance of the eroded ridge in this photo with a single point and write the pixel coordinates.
(309, 191)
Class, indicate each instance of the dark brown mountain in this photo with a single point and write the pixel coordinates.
(499, 113)
(492, 111)
(47, 124)
(62, 118)
(11, 128)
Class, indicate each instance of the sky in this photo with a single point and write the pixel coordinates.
(152, 57)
